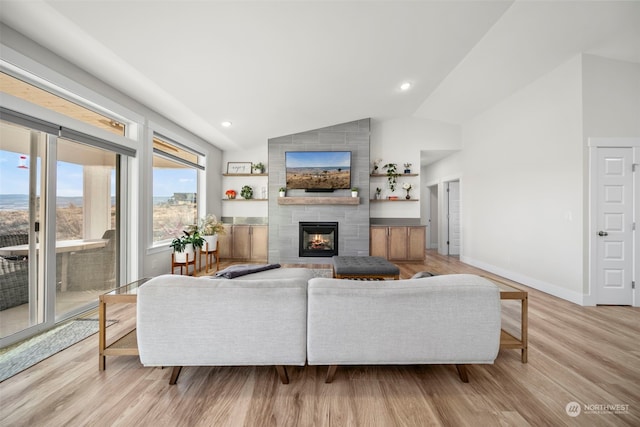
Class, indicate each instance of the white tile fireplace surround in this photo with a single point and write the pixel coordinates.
(353, 220)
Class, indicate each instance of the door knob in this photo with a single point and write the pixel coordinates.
(602, 233)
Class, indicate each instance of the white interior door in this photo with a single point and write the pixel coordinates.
(614, 223)
(453, 217)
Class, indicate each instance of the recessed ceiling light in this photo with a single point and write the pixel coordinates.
(405, 86)
(226, 124)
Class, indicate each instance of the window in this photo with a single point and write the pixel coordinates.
(175, 188)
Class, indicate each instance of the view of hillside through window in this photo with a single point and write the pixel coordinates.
(175, 188)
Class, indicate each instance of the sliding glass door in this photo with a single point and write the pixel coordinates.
(21, 227)
(59, 224)
(86, 225)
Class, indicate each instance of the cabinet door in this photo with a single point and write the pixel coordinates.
(225, 242)
(241, 242)
(398, 243)
(416, 243)
(259, 242)
(378, 241)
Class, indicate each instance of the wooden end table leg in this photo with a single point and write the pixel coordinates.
(524, 335)
(102, 337)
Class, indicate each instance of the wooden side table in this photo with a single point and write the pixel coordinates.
(127, 344)
(507, 340)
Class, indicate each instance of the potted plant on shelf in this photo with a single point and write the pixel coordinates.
(259, 167)
(392, 175)
(282, 191)
(407, 187)
(354, 191)
(210, 227)
(184, 247)
(231, 194)
(378, 193)
(375, 170)
(246, 192)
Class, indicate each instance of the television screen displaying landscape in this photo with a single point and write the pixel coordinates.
(318, 170)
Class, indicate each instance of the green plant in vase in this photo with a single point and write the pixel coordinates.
(246, 192)
(184, 247)
(210, 227)
(392, 175)
(259, 167)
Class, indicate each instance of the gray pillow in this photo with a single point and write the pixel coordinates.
(422, 274)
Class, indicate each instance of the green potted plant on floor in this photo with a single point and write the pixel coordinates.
(210, 227)
(184, 247)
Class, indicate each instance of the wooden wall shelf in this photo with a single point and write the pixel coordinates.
(318, 200)
(394, 200)
(384, 175)
(245, 174)
(244, 200)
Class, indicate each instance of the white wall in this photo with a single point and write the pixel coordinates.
(400, 141)
(611, 91)
(522, 190)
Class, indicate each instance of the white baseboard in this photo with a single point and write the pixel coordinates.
(549, 288)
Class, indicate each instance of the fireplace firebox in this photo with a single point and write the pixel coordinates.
(318, 239)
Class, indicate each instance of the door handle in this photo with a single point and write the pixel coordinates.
(602, 233)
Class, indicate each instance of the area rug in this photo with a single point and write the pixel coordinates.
(23, 355)
(322, 272)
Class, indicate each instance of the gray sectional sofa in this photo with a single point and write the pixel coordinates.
(285, 317)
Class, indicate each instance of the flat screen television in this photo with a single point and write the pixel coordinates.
(318, 170)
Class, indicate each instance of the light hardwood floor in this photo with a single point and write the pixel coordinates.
(590, 355)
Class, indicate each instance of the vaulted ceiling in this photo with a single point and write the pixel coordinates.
(273, 68)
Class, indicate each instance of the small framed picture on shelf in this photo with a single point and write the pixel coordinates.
(237, 168)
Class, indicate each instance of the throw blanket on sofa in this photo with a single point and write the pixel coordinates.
(241, 270)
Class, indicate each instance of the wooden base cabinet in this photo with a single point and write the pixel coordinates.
(397, 243)
(244, 242)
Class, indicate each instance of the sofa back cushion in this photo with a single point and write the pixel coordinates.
(187, 321)
(441, 319)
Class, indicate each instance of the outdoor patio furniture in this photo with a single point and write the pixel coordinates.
(14, 274)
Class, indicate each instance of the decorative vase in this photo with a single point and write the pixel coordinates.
(182, 256)
(282, 193)
(354, 194)
(212, 242)
(407, 196)
(407, 171)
